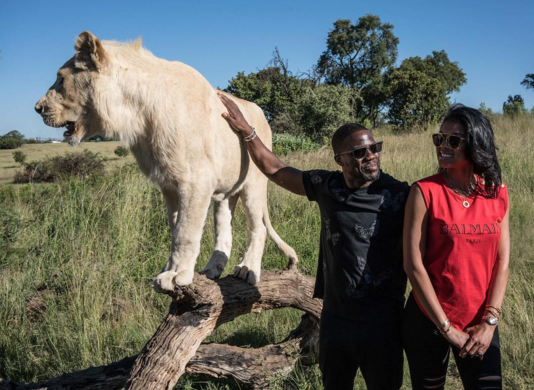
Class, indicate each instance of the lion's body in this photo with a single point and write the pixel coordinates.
(170, 117)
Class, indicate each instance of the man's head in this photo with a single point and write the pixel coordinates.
(357, 172)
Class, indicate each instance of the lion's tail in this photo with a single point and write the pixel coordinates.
(281, 244)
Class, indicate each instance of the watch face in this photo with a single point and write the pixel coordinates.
(491, 320)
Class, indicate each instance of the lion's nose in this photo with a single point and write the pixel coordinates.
(39, 108)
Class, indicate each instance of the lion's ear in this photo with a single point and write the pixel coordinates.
(90, 53)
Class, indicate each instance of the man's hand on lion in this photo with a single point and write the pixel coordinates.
(234, 117)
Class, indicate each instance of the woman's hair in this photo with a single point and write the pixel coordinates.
(481, 149)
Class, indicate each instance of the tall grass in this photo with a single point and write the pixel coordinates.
(77, 259)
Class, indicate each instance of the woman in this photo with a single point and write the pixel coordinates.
(456, 254)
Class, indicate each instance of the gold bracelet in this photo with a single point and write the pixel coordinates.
(494, 307)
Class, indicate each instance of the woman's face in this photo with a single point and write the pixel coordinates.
(448, 157)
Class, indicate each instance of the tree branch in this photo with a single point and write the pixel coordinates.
(195, 312)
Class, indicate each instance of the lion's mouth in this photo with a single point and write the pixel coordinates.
(71, 129)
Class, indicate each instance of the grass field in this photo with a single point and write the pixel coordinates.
(77, 259)
(8, 166)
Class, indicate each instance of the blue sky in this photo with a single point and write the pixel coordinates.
(491, 40)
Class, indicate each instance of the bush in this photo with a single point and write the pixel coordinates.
(19, 157)
(121, 151)
(78, 164)
(30, 141)
(10, 143)
(485, 110)
(286, 143)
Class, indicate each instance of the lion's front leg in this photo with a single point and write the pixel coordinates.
(179, 270)
(223, 212)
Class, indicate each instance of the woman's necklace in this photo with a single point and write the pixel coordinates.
(464, 193)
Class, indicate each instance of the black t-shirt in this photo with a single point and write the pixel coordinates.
(360, 274)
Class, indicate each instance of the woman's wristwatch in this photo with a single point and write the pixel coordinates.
(491, 320)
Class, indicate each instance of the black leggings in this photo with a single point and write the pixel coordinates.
(346, 346)
(428, 355)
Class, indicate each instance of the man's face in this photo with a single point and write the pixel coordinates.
(366, 169)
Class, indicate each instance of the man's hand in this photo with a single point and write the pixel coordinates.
(479, 340)
(286, 177)
(234, 117)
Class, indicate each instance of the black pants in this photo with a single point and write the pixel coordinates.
(345, 346)
(428, 355)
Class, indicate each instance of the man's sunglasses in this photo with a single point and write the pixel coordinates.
(453, 141)
(360, 153)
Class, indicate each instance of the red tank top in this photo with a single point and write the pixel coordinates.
(461, 248)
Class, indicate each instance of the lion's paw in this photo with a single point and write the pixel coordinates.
(184, 278)
(248, 275)
(168, 280)
(164, 282)
(213, 272)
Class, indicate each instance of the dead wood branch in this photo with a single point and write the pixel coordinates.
(195, 312)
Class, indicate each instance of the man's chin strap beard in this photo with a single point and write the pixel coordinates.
(371, 179)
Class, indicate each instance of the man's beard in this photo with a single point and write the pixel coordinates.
(370, 177)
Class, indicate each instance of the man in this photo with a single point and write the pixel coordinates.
(360, 275)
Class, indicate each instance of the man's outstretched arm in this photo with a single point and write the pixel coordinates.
(287, 177)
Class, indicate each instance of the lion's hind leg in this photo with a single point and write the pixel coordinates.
(249, 268)
(223, 214)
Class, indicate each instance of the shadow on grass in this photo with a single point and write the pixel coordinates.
(249, 337)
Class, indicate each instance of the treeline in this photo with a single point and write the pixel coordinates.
(14, 140)
(355, 80)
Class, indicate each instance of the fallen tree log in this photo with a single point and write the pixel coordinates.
(195, 311)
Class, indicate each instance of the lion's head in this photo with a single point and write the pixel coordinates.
(69, 101)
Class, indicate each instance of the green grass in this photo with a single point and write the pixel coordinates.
(77, 259)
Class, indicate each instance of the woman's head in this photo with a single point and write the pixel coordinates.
(477, 146)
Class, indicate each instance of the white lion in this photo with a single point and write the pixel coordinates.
(170, 117)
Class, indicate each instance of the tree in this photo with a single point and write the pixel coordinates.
(438, 66)
(19, 157)
(418, 90)
(417, 100)
(13, 134)
(321, 110)
(528, 81)
(275, 89)
(357, 56)
(514, 106)
(268, 88)
(296, 106)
